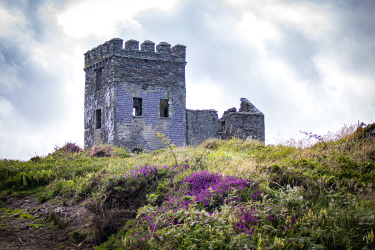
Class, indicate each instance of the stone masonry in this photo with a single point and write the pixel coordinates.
(133, 93)
(247, 123)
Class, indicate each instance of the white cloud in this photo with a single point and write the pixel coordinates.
(8, 76)
(196, 95)
(6, 111)
(8, 18)
(257, 31)
(102, 18)
(261, 20)
(350, 94)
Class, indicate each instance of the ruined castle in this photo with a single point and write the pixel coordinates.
(133, 93)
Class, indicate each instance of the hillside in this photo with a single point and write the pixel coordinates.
(220, 195)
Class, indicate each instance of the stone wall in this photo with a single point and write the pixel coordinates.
(243, 125)
(140, 132)
(201, 125)
(99, 95)
(246, 124)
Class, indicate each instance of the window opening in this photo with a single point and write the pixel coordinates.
(98, 118)
(137, 106)
(222, 124)
(137, 150)
(98, 79)
(163, 105)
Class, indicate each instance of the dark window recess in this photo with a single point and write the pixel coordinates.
(137, 106)
(137, 150)
(163, 108)
(98, 116)
(98, 79)
(223, 125)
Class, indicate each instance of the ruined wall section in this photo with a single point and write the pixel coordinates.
(201, 125)
(243, 125)
(246, 124)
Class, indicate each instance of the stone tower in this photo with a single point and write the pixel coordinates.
(133, 93)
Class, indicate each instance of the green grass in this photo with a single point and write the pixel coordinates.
(9, 213)
(22, 214)
(315, 197)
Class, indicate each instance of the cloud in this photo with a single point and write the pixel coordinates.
(101, 18)
(354, 37)
(29, 17)
(34, 101)
(8, 19)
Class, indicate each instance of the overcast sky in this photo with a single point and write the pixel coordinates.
(307, 65)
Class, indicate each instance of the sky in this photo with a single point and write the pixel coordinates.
(306, 64)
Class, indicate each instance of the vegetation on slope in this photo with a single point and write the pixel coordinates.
(220, 195)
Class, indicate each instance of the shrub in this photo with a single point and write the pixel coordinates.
(56, 220)
(210, 143)
(77, 236)
(71, 147)
(102, 151)
(108, 151)
(36, 159)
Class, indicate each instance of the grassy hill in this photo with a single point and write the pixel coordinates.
(220, 195)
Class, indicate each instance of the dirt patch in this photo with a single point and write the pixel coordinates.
(55, 220)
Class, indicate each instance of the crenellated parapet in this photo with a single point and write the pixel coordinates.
(131, 49)
(103, 52)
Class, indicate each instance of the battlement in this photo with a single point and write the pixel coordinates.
(114, 47)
